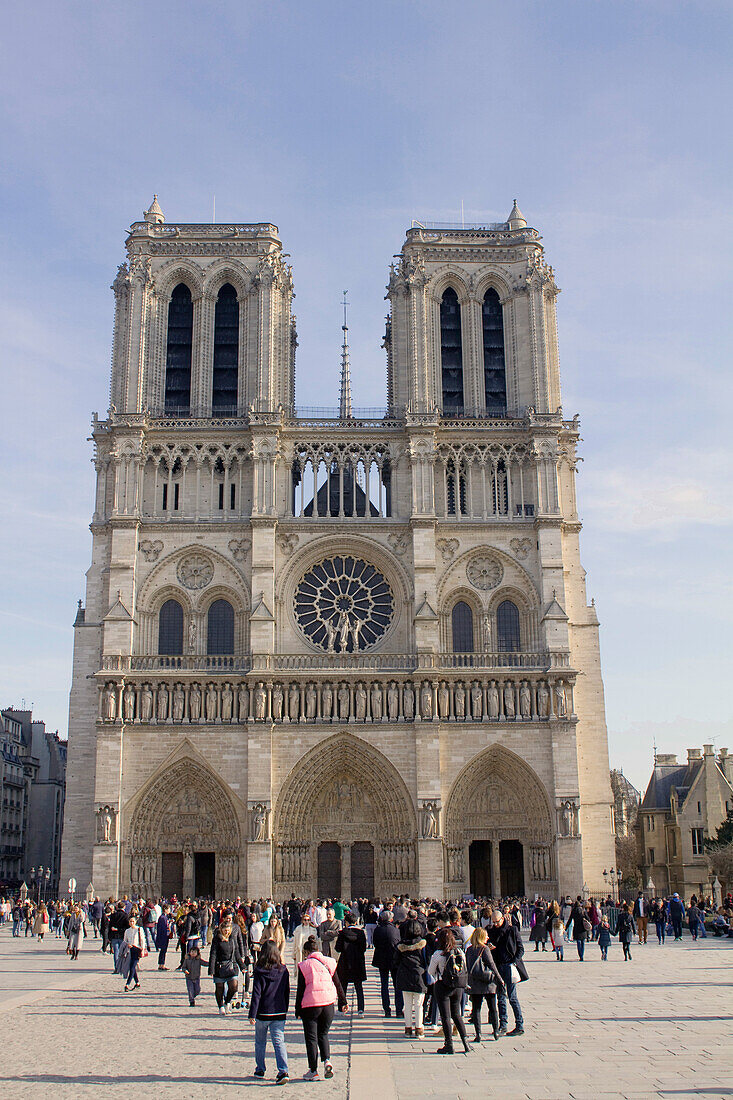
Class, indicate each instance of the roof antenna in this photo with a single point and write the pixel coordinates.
(655, 750)
(345, 393)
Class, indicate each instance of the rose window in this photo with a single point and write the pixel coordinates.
(344, 605)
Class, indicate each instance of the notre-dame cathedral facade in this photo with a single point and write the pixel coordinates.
(335, 651)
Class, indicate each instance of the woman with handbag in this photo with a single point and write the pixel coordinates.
(76, 932)
(225, 961)
(579, 921)
(318, 987)
(135, 939)
(483, 981)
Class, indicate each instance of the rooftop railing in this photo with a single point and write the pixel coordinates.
(337, 662)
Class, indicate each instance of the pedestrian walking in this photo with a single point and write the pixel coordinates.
(581, 927)
(40, 923)
(641, 916)
(448, 969)
(484, 981)
(411, 963)
(658, 915)
(538, 932)
(119, 922)
(163, 930)
(676, 915)
(625, 930)
(328, 931)
(76, 932)
(318, 989)
(269, 1007)
(192, 970)
(351, 948)
(224, 958)
(508, 948)
(604, 939)
(385, 938)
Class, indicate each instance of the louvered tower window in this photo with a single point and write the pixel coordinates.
(178, 353)
(494, 363)
(226, 353)
(451, 352)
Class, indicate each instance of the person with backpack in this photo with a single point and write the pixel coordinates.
(483, 981)
(385, 938)
(318, 987)
(351, 948)
(448, 969)
(507, 948)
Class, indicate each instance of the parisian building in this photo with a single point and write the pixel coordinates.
(336, 651)
(683, 806)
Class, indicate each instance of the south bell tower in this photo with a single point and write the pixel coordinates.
(346, 653)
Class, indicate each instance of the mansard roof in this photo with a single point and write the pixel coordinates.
(666, 776)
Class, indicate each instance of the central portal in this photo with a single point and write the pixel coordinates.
(329, 869)
(362, 869)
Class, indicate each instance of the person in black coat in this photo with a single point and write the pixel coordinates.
(385, 939)
(352, 945)
(538, 935)
(269, 1007)
(224, 958)
(483, 981)
(411, 962)
(577, 919)
(507, 948)
(625, 930)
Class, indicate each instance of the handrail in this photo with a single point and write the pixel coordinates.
(337, 662)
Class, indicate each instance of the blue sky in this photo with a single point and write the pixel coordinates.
(340, 123)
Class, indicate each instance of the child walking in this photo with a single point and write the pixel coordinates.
(558, 936)
(604, 938)
(192, 970)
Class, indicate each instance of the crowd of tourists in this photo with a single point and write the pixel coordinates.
(437, 963)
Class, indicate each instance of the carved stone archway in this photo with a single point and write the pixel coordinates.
(344, 791)
(499, 802)
(186, 810)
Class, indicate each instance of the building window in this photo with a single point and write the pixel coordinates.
(672, 844)
(178, 353)
(462, 624)
(699, 807)
(232, 496)
(220, 628)
(698, 837)
(507, 626)
(494, 364)
(651, 855)
(451, 353)
(170, 629)
(650, 823)
(226, 353)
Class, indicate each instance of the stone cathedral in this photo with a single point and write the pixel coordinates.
(335, 651)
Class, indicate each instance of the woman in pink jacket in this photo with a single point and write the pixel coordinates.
(318, 988)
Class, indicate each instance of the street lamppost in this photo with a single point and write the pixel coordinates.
(46, 877)
(619, 876)
(605, 880)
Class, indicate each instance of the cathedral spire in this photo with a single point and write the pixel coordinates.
(516, 219)
(154, 213)
(345, 392)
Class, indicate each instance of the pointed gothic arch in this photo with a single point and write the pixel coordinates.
(345, 791)
(184, 810)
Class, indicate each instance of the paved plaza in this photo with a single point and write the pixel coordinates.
(660, 1026)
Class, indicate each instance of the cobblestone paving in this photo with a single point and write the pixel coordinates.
(659, 1026)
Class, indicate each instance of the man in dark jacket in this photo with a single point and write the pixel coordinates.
(386, 937)
(676, 915)
(507, 948)
(118, 925)
(351, 946)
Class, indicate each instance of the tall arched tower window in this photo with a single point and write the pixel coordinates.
(226, 352)
(170, 629)
(178, 352)
(462, 624)
(494, 363)
(451, 352)
(507, 626)
(220, 628)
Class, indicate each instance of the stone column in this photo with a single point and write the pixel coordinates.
(346, 870)
(495, 870)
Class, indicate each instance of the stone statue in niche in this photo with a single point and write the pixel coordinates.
(179, 702)
(486, 632)
(109, 703)
(146, 703)
(191, 635)
(260, 702)
(393, 701)
(376, 702)
(360, 702)
(525, 700)
(327, 701)
(543, 699)
(460, 700)
(343, 702)
(243, 703)
(331, 634)
(408, 701)
(106, 833)
(477, 702)
(278, 699)
(426, 701)
(162, 703)
(227, 703)
(561, 709)
(128, 703)
(443, 700)
(210, 703)
(294, 702)
(509, 700)
(492, 697)
(194, 703)
(311, 701)
(430, 810)
(258, 831)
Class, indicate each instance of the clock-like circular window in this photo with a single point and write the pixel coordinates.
(344, 605)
